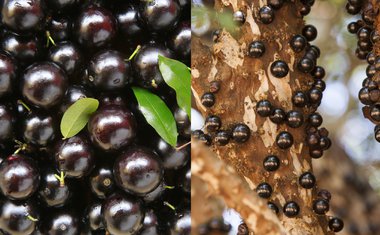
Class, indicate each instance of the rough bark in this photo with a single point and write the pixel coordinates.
(204, 204)
(222, 180)
(244, 82)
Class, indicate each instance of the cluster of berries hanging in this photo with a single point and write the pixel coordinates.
(368, 39)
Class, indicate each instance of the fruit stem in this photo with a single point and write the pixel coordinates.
(182, 146)
(20, 146)
(189, 68)
(49, 39)
(134, 53)
(61, 178)
(154, 83)
(169, 187)
(24, 105)
(169, 205)
(31, 218)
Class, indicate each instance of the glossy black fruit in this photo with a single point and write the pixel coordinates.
(241, 133)
(63, 223)
(68, 56)
(122, 214)
(19, 177)
(309, 32)
(8, 74)
(128, 22)
(205, 139)
(39, 129)
(307, 180)
(108, 71)
(14, 217)
(294, 119)
(44, 84)
(298, 43)
(256, 49)
(138, 171)
(213, 123)
(25, 49)
(181, 225)
(52, 192)
(75, 157)
(156, 194)
(22, 15)
(150, 224)
(324, 194)
(112, 128)
(73, 94)
(315, 119)
(278, 116)
(95, 27)
(321, 206)
(145, 64)
(273, 207)
(315, 95)
(264, 190)
(94, 216)
(180, 41)
(183, 122)
(266, 14)
(185, 180)
(60, 29)
(284, 140)
(306, 65)
(171, 157)
(208, 99)
(279, 69)
(264, 108)
(271, 163)
(336, 224)
(160, 14)
(239, 17)
(299, 99)
(222, 137)
(291, 209)
(102, 181)
(353, 27)
(7, 121)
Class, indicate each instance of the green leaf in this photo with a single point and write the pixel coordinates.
(177, 76)
(157, 114)
(77, 115)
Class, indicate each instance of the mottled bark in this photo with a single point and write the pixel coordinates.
(204, 204)
(245, 81)
(222, 180)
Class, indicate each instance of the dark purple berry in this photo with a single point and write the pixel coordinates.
(241, 133)
(19, 177)
(266, 14)
(279, 69)
(256, 49)
(284, 140)
(138, 171)
(264, 108)
(307, 180)
(271, 163)
(291, 209)
(264, 190)
(321, 206)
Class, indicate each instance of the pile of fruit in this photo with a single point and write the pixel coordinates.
(93, 125)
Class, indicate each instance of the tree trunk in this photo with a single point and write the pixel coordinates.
(244, 81)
